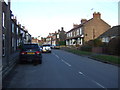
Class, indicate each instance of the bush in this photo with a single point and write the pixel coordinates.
(86, 48)
(94, 43)
(114, 46)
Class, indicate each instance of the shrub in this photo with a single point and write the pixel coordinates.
(114, 46)
(86, 48)
(94, 43)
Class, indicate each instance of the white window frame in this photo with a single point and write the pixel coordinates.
(17, 30)
(3, 19)
(57, 35)
(71, 34)
(78, 32)
(13, 27)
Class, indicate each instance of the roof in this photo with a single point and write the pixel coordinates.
(114, 31)
(80, 25)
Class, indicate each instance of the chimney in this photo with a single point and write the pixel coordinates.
(9, 4)
(75, 25)
(97, 15)
(19, 24)
(58, 30)
(62, 29)
(83, 21)
(15, 19)
(23, 27)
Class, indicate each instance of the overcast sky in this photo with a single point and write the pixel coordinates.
(42, 17)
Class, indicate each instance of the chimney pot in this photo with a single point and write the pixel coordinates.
(83, 21)
(96, 15)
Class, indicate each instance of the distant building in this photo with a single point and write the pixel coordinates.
(35, 40)
(110, 33)
(58, 36)
(87, 30)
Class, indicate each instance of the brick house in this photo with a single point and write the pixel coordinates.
(58, 36)
(12, 35)
(49, 38)
(87, 30)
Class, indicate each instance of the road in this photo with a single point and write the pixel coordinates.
(62, 69)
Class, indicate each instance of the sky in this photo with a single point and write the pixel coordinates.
(41, 17)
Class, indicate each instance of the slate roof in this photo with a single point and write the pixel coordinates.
(114, 31)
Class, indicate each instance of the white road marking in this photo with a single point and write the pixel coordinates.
(92, 80)
(98, 84)
(66, 63)
(56, 55)
(81, 73)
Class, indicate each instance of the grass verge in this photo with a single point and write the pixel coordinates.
(104, 58)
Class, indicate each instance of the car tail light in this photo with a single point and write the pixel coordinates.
(23, 53)
(37, 52)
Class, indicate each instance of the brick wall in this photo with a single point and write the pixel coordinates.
(94, 28)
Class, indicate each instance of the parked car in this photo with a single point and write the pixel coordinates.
(46, 48)
(40, 48)
(31, 53)
(57, 46)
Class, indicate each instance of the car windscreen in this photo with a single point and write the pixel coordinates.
(31, 46)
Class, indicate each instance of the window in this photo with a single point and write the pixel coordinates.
(12, 42)
(78, 32)
(74, 33)
(71, 34)
(3, 45)
(12, 27)
(17, 30)
(3, 19)
(67, 34)
(81, 31)
(57, 35)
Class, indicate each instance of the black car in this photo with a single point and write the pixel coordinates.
(31, 53)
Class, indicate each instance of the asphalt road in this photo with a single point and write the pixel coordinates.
(61, 69)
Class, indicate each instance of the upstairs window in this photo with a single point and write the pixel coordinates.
(17, 30)
(71, 34)
(12, 28)
(3, 19)
(81, 32)
(78, 32)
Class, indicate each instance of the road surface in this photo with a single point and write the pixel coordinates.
(61, 69)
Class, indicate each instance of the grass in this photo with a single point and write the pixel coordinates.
(79, 52)
(105, 58)
(108, 58)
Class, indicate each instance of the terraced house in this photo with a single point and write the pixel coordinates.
(12, 35)
(87, 30)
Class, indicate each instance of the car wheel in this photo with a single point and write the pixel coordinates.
(40, 62)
